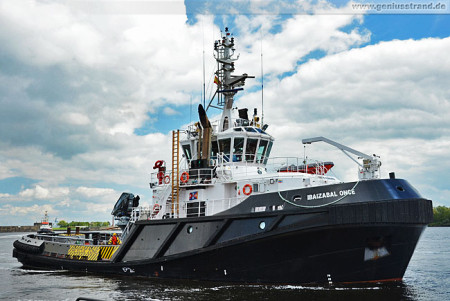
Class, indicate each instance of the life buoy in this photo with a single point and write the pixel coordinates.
(247, 189)
(155, 209)
(158, 164)
(184, 177)
(167, 179)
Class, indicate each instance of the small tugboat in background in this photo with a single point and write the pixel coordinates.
(227, 211)
(46, 227)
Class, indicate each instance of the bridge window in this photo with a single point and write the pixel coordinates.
(187, 151)
(269, 148)
(250, 149)
(224, 147)
(261, 149)
(250, 129)
(238, 149)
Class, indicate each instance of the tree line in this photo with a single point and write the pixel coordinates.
(441, 216)
(64, 224)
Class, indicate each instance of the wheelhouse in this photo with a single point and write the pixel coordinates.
(239, 145)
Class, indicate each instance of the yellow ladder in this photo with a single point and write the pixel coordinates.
(175, 173)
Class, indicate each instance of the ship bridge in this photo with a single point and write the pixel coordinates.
(243, 144)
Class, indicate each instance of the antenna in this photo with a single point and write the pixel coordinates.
(204, 89)
(190, 109)
(262, 85)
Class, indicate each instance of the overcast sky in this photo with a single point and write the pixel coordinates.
(89, 92)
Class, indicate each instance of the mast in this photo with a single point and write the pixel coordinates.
(227, 84)
(262, 85)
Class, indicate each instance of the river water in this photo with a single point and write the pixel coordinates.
(427, 278)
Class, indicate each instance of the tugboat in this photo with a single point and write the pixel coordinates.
(45, 227)
(228, 212)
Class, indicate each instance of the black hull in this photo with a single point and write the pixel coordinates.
(314, 246)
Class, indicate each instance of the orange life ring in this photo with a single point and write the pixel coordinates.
(155, 209)
(245, 191)
(158, 163)
(184, 177)
(167, 179)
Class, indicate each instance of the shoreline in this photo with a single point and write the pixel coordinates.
(12, 229)
(6, 229)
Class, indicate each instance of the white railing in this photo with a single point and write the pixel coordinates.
(167, 178)
(192, 128)
(225, 170)
(239, 159)
(78, 239)
(187, 209)
(204, 208)
(295, 164)
(199, 176)
(165, 181)
(193, 132)
(142, 213)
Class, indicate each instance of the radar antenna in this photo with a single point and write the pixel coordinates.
(227, 84)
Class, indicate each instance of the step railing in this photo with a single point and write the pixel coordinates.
(190, 209)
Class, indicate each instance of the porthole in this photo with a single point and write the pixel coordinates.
(190, 229)
(400, 188)
(262, 225)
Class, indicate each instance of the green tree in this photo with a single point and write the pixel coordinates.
(441, 216)
(81, 224)
(99, 224)
(63, 224)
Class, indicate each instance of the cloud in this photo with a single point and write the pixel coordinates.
(298, 37)
(76, 118)
(94, 192)
(86, 90)
(35, 211)
(75, 86)
(389, 99)
(42, 193)
(170, 111)
(392, 89)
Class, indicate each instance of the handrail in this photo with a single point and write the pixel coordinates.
(236, 122)
(210, 207)
(204, 208)
(295, 164)
(66, 239)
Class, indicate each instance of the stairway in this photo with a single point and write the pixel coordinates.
(175, 173)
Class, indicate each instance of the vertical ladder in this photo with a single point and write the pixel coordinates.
(175, 173)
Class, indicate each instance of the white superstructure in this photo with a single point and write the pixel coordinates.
(227, 161)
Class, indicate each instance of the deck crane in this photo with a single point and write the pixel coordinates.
(369, 169)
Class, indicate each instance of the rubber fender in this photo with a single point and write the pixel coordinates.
(28, 248)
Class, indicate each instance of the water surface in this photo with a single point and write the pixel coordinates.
(427, 278)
